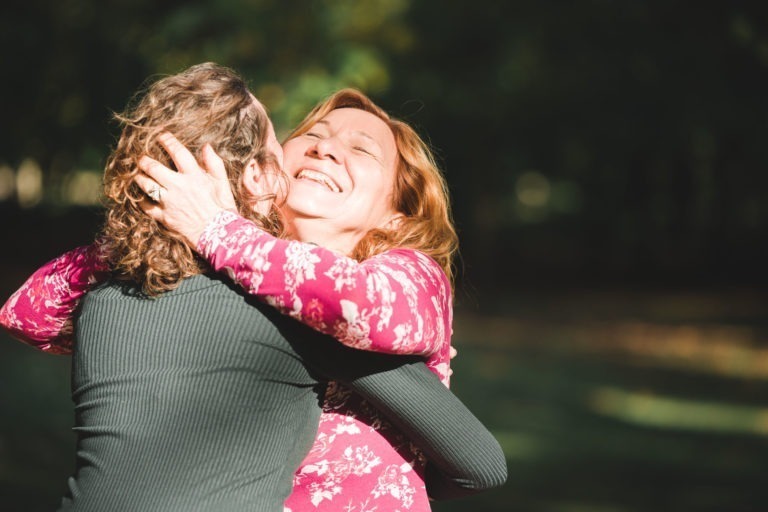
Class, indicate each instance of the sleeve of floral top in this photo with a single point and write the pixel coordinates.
(396, 302)
(40, 313)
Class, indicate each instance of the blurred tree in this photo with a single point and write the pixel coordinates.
(71, 63)
(582, 140)
(645, 120)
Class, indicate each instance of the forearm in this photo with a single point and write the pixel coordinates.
(40, 313)
(463, 456)
(399, 302)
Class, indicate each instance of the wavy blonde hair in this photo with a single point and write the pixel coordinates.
(206, 103)
(420, 191)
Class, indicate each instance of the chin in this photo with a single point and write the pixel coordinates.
(309, 205)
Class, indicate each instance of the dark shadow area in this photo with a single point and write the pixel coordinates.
(607, 164)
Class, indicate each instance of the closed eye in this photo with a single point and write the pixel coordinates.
(365, 151)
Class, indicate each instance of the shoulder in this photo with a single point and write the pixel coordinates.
(202, 284)
(413, 263)
(405, 255)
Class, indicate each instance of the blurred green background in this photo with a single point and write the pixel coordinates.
(607, 162)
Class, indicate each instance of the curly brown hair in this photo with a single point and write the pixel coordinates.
(205, 104)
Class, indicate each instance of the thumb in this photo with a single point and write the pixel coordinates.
(214, 164)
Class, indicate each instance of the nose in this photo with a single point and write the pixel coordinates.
(325, 148)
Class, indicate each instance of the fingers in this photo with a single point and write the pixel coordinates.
(181, 156)
(149, 205)
(162, 175)
(214, 164)
(217, 172)
(146, 183)
(453, 352)
(152, 209)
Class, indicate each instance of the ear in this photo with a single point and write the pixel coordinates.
(393, 222)
(258, 185)
(252, 178)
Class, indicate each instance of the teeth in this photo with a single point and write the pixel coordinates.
(318, 177)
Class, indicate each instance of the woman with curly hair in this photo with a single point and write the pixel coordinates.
(365, 191)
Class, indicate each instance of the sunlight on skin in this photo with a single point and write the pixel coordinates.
(667, 412)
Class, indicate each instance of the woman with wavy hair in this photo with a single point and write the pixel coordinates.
(209, 108)
(367, 196)
(363, 185)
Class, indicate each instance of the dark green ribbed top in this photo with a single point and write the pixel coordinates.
(190, 401)
(204, 400)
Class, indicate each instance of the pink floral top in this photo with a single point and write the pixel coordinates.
(40, 313)
(396, 302)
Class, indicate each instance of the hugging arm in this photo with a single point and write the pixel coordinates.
(40, 313)
(396, 302)
(463, 456)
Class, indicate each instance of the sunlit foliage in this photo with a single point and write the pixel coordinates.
(609, 137)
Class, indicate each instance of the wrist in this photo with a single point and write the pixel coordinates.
(205, 217)
(204, 239)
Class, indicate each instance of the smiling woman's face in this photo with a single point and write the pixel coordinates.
(342, 174)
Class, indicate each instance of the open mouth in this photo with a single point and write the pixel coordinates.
(318, 177)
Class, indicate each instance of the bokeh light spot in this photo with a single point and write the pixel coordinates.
(29, 183)
(533, 189)
(7, 182)
(83, 188)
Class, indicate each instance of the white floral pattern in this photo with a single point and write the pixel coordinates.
(396, 302)
(40, 312)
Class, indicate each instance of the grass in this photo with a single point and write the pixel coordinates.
(607, 402)
(621, 403)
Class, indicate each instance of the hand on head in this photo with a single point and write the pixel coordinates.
(187, 200)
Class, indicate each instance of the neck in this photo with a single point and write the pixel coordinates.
(319, 232)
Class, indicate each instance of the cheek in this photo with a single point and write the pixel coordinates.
(388, 188)
(292, 150)
(277, 150)
(380, 198)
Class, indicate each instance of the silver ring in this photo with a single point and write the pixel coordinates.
(155, 193)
